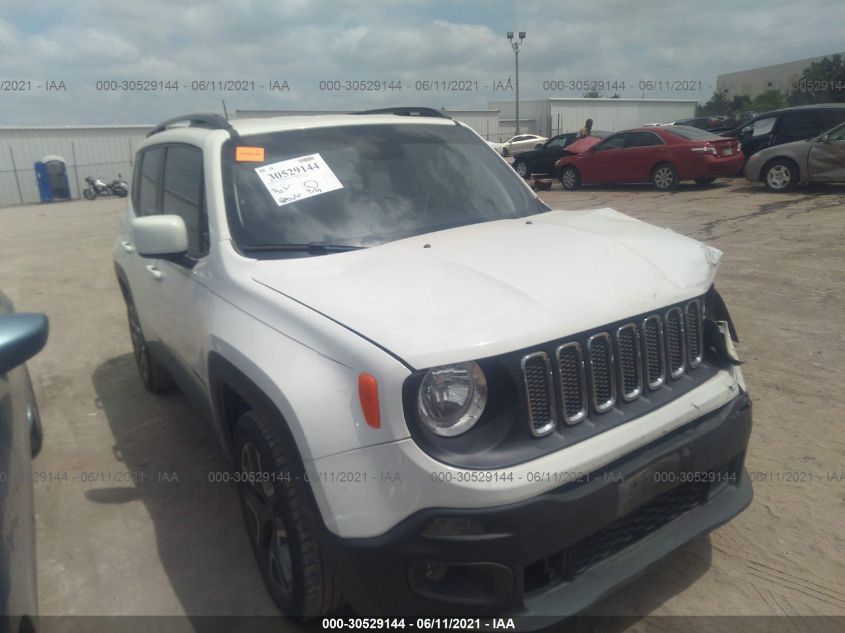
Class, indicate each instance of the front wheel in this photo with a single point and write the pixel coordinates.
(89, 193)
(280, 524)
(664, 177)
(780, 175)
(153, 374)
(505, 151)
(521, 168)
(570, 178)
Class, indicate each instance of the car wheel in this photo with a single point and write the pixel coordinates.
(704, 181)
(120, 192)
(89, 193)
(521, 168)
(664, 177)
(153, 374)
(780, 175)
(279, 522)
(505, 151)
(570, 178)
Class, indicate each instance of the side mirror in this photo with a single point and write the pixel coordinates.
(22, 336)
(825, 138)
(156, 235)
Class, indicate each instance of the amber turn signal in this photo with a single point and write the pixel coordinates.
(368, 394)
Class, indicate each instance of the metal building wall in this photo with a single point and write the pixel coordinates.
(485, 122)
(569, 115)
(533, 116)
(88, 151)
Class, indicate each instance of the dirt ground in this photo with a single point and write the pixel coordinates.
(114, 538)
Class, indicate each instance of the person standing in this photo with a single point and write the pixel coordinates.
(586, 130)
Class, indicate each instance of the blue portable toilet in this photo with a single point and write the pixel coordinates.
(51, 176)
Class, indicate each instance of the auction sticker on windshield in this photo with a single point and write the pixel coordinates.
(298, 178)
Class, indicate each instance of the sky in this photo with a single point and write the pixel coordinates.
(117, 62)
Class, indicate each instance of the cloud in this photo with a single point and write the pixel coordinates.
(308, 41)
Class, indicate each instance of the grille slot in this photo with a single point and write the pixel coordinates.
(629, 360)
(695, 346)
(573, 382)
(602, 373)
(540, 393)
(654, 351)
(675, 343)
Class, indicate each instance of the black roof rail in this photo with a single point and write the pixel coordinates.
(208, 121)
(406, 111)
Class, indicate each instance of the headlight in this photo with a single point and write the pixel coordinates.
(452, 398)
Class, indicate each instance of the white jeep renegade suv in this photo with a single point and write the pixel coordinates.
(441, 395)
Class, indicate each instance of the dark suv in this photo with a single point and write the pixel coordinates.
(542, 160)
(787, 125)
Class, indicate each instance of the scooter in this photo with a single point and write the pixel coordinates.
(98, 187)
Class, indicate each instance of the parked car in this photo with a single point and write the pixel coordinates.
(781, 168)
(663, 156)
(22, 336)
(542, 160)
(419, 421)
(784, 126)
(521, 143)
(702, 123)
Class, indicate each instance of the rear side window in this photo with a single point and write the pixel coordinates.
(691, 133)
(182, 193)
(795, 126)
(146, 196)
(829, 118)
(642, 139)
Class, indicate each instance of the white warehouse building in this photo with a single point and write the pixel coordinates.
(555, 115)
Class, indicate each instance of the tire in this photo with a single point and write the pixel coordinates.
(505, 151)
(521, 168)
(570, 178)
(153, 374)
(89, 193)
(280, 523)
(664, 177)
(704, 181)
(120, 192)
(780, 175)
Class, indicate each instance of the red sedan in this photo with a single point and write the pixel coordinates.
(663, 156)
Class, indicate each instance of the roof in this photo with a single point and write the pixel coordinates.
(247, 127)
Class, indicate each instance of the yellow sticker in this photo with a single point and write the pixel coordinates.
(249, 154)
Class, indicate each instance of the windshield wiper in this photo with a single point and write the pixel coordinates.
(311, 247)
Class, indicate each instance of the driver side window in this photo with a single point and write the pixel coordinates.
(838, 134)
(614, 142)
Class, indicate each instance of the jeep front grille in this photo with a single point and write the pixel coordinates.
(540, 393)
(573, 382)
(591, 375)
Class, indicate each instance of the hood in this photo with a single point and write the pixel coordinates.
(486, 289)
(583, 144)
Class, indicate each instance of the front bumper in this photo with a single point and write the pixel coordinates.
(557, 553)
(751, 171)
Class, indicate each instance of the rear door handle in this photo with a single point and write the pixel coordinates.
(155, 272)
(127, 247)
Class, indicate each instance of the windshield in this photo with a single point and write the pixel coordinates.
(363, 185)
(692, 133)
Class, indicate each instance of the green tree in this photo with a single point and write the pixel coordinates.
(718, 104)
(769, 100)
(821, 82)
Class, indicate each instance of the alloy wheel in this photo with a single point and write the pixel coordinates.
(265, 526)
(778, 177)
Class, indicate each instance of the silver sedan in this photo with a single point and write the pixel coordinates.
(820, 159)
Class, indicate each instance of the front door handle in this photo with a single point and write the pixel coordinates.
(155, 272)
(127, 247)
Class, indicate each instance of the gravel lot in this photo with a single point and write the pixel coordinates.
(114, 538)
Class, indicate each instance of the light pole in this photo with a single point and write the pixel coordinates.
(515, 44)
